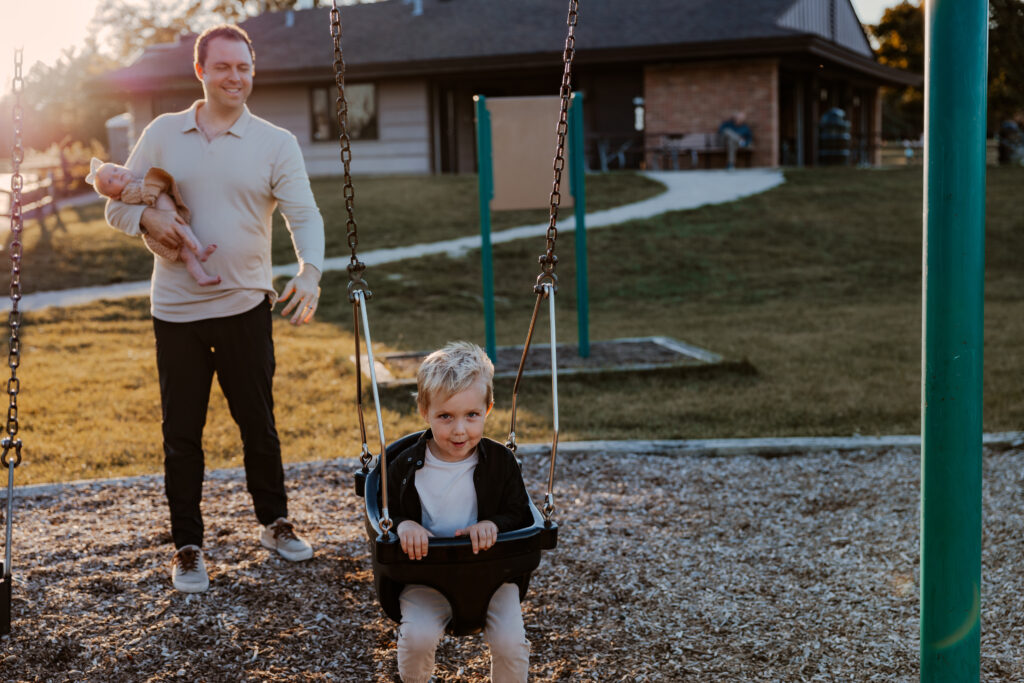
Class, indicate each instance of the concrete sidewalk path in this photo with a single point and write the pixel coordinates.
(684, 190)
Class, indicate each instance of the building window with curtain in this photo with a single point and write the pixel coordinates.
(362, 112)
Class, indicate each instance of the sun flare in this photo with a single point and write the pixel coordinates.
(43, 30)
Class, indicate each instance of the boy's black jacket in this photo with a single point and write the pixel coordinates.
(500, 493)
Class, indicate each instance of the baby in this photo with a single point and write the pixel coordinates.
(158, 190)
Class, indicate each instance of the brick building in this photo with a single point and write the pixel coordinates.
(651, 71)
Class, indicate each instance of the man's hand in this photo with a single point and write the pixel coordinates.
(304, 292)
(164, 226)
(414, 538)
(483, 534)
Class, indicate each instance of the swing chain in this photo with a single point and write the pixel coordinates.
(14, 319)
(549, 260)
(356, 281)
(356, 267)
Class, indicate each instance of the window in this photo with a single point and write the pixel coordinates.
(362, 112)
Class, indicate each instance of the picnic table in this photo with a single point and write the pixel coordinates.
(701, 149)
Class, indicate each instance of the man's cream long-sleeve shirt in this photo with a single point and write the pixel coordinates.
(231, 185)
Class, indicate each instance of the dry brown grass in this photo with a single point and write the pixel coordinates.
(816, 284)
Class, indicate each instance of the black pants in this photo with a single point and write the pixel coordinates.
(240, 350)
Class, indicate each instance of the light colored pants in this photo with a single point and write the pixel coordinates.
(733, 141)
(425, 613)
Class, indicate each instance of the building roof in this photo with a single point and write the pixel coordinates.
(387, 39)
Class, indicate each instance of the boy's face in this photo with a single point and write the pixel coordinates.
(111, 179)
(457, 422)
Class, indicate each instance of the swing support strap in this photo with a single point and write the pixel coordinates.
(11, 442)
(547, 291)
(360, 308)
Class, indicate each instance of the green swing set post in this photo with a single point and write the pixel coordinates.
(953, 309)
(577, 185)
(485, 180)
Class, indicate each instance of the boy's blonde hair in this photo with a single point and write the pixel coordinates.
(452, 369)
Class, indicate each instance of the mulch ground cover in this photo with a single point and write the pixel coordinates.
(603, 355)
(685, 568)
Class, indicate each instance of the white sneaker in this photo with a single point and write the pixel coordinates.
(281, 536)
(188, 571)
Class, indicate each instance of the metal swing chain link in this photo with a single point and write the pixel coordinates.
(341, 112)
(355, 266)
(14, 318)
(547, 281)
(358, 291)
(549, 260)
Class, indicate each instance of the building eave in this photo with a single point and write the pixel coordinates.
(776, 47)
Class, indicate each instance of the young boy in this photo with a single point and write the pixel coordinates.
(453, 482)
(156, 189)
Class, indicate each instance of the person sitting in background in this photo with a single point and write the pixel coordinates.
(1011, 143)
(735, 133)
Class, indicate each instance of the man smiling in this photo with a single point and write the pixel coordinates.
(232, 169)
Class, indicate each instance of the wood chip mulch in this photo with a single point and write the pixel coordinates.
(687, 568)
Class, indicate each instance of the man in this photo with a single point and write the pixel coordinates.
(232, 169)
(735, 133)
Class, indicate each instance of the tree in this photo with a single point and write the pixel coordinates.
(1005, 62)
(900, 36)
(57, 104)
(56, 99)
(131, 25)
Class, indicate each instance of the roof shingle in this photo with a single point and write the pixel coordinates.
(379, 34)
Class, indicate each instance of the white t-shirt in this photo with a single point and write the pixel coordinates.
(447, 494)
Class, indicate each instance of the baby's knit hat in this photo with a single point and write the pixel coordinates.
(94, 165)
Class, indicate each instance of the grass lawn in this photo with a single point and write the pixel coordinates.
(389, 211)
(816, 284)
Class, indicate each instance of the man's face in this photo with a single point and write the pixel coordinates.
(227, 73)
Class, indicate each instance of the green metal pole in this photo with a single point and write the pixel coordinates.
(577, 175)
(485, 181)
(956, 45)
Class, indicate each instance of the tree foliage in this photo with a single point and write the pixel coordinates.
(900, 37)
(1005, 62)
(58, 107)
(58, 104)
(132, 25)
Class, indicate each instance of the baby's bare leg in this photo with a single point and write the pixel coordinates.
(186, 256)
(195, 268)
(192, 252)
(164, 201)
